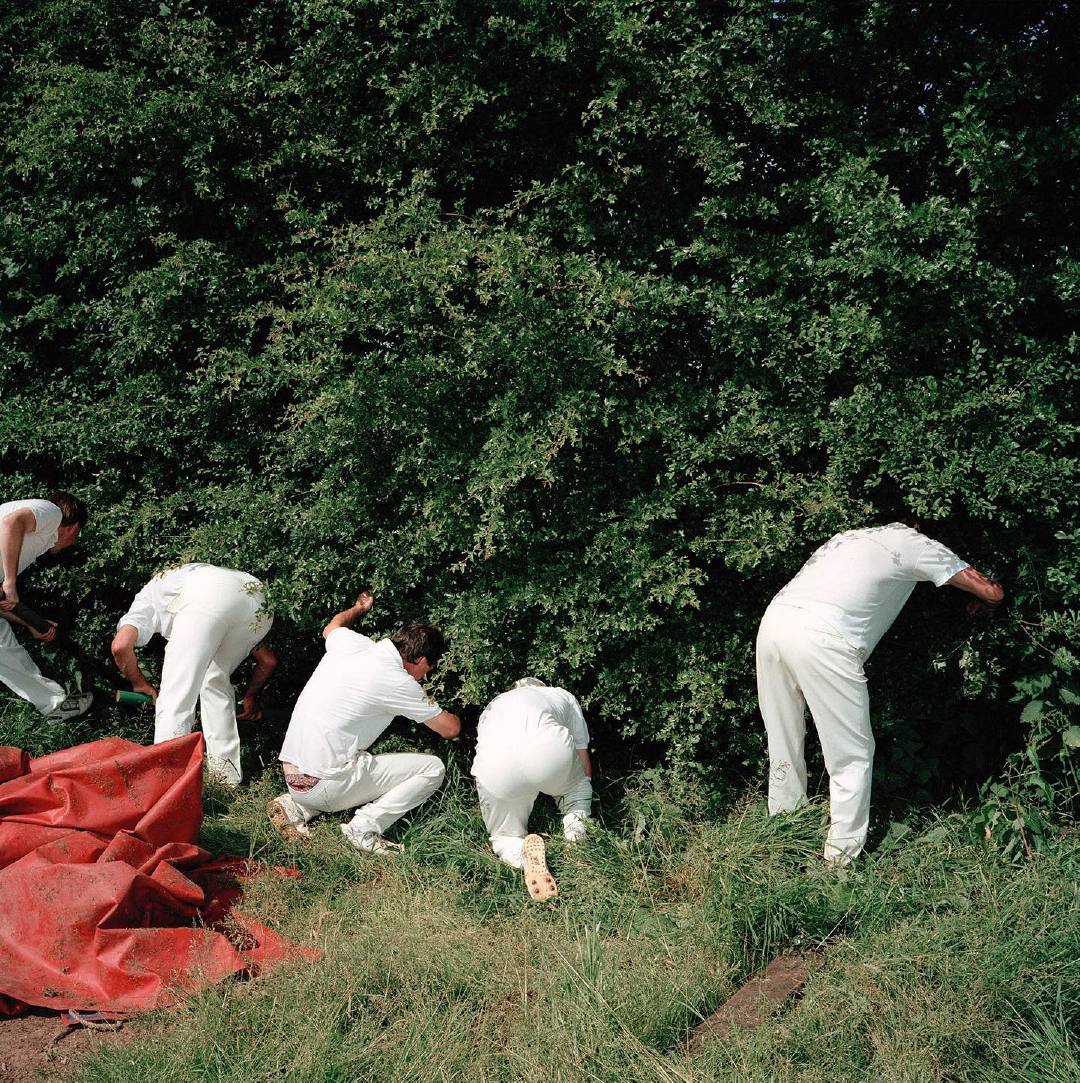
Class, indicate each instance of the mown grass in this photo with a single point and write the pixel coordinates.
(941, 961)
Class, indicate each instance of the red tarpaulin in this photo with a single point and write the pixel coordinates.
(105, 900)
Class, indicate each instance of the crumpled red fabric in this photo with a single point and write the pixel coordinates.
(106, 901)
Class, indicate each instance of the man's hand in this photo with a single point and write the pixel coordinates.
(46, 637)
(123, 652)
(251, 709)
(988, 593)
(146, 688)
(265, 664)
(445, 725)
(345, 618)
(11, 595)
(980, 609)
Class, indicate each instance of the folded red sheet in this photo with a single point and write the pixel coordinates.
(106, 902)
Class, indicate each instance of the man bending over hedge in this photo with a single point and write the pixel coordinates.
(212, 617)
(356, 691)
(29, 528)
(813, 640)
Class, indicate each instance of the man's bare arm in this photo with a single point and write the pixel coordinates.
(123, 652)
(13, 528)
(265, 664)
(986, 590)
(48, 636)
(11, 618)
(346, 617)
(586, 761)
(445, 725)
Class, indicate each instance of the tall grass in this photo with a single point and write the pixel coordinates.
(941, 961)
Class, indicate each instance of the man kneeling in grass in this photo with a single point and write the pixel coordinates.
(532, 740)
(356, 691)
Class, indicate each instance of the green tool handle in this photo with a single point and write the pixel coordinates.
(133, 699)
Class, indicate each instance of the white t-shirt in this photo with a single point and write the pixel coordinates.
(858, 581)
(47, 517)
(356, 691)
(526, 714)
(153, 609)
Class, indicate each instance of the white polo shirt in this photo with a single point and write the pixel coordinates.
(47, 517)
(153, 609)
(356, 691)
(518, 717)
(858, 581)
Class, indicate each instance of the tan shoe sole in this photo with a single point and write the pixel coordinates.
(538, 879)
(282, 824)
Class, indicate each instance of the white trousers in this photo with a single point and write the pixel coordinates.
(216, 625)
(802, 664)
(385, 788)
(510, 778)
(18, 672)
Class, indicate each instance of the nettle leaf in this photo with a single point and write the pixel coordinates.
(1033, 711)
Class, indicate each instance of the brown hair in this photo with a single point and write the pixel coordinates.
(416, 641)
(71, 507)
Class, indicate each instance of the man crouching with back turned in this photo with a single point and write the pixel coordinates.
(532, 740)
(356, 691)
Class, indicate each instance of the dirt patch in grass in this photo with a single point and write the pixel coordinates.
(39, 1046)
(765, 993)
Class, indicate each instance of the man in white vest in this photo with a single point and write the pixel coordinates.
(28, 529)
(531, 740)
(358, 688)
(813, 640)
(212, 618)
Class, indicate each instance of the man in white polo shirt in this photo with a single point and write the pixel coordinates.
(356, 691)
(813, 640)
(29, 528)
(212, 618)
(531, 740)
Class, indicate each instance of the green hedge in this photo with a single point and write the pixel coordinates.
(574, 327)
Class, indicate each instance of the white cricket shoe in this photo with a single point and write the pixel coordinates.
(370, 842)
(71, 708)
(575, 826)
(288, 818)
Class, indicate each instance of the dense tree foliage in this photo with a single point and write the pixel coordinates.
(573, 326)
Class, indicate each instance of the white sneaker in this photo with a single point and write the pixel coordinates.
(575, 826)
(370, 842)
(288, 818)
(71, 708)
(224, 772)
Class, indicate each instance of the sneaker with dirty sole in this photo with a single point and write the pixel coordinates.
(288, 821)
(369, 842)
(71, 708)
(575, 826)
(538, 879)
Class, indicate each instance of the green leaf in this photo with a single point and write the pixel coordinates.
(1033, 711)
(1071, 737)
